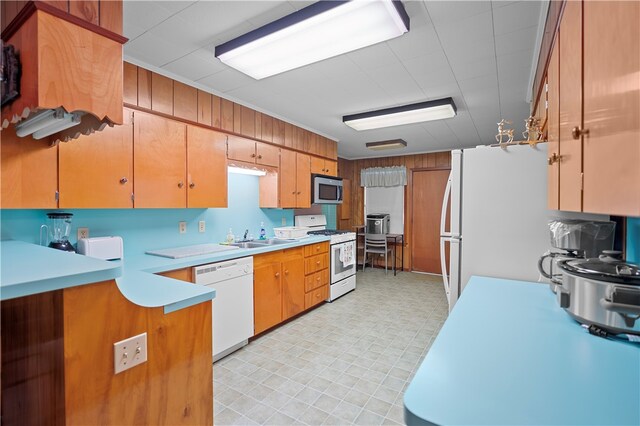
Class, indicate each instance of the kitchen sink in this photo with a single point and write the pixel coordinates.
(248, 244)
(273, 241)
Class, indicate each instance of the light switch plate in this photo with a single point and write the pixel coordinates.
(129, 352)
(284, 221)
(83, 233)
(201, 226)
(182, 227)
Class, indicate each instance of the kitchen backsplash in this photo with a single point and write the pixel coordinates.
(144, 229)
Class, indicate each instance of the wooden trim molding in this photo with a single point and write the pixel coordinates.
(32, 6)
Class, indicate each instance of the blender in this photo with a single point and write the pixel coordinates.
(58, 228)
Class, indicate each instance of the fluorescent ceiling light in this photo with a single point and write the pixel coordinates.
(322, 30)
(391, 144)
(405, 114)
(244, 171)
(47, 122)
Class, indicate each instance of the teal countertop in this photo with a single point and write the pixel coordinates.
(508, 354)
(30, 269)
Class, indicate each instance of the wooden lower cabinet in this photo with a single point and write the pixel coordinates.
(58, 368)
(281, 289)
(315, 297)
(316, 269)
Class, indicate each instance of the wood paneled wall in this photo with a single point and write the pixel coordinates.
(350, 169)
(144, 89)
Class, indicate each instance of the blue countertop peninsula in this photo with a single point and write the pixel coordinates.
(508, 354)
(28, 269)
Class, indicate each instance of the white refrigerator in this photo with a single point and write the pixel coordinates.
(497, 199)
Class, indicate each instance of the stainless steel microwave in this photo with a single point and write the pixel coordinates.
(326, 189)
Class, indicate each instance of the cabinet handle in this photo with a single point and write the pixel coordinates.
(286, 272)
(180, 184)
(123, 180)
(192, 185)
(253, 155)
(317, 262)
(277, 274)
(294, 192)
(318, 279)
(576, 132)
(317, 248)
(298, 192)
(259, 157)
(553, 159)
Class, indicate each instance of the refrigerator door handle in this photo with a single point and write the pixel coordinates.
(445, 206)
(443, 262)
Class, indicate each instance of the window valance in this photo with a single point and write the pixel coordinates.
(383, 176)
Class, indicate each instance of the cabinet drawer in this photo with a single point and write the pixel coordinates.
(313, 281)
(315, 263)
(313, 249)
(316, 296)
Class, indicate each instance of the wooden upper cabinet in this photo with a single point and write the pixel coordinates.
(267, 155)
(185, 101)
(207, 168)
(29, 171)
(553, 146)
(96, 171)
(570, 46)
(303, 181)
(161, 94)
(324, 167)
(241, 149)
(612, 107)
(332, 167)
(287, 176)
(159, 162)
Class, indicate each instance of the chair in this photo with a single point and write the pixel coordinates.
(377, 244)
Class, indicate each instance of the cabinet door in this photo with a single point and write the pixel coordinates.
(612, 107)
(268, 155)
(287, 176)
(29, 172)
(553, 149)
(267, 295)
(317, 166)
(331, 168)
(292, 287)
(96, 171)
(159, 162)
(207, 168)
(571, 106)
(241, 149)
(303, 181)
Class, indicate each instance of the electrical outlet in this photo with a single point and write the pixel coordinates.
(129, 352)
(202, 226)
(83, 233)
(182, 227)
(284, 221)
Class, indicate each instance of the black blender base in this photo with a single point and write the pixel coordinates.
(63, 245)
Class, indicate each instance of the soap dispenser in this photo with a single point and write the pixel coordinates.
(263, 233)
(230, 236)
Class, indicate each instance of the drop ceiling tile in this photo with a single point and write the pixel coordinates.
(470, 52)
(475, 69)
(523, 39)
(394, 79)
(482, 98)
(174, 6)
(481, 82)
(153, 50)
(336, 67)
(446, 91)
(178, 31)
(478, 28)
(515, 16)
(277, 11)
(426, 64)
(194, 66)
(144, 14)
(515, 62)
(440, 129)
(131, 30)
(445, 12)
(417, 42)
(226, 80)
(376, 56)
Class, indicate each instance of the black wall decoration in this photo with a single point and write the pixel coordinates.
(10, 74)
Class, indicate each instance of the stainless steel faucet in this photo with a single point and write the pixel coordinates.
(246, 232)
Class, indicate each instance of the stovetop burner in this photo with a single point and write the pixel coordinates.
(327, 232)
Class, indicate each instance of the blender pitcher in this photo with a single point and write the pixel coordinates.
(58, 228)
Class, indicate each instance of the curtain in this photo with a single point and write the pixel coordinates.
(383, 176)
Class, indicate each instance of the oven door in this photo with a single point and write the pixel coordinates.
(339, 270)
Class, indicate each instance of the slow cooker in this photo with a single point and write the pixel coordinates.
(603, 292)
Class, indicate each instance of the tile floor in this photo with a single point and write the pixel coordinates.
(346, 362)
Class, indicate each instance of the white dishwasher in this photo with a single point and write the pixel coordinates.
(233, 304)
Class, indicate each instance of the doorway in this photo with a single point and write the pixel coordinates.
(428, 189)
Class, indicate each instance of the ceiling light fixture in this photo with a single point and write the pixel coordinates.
(390, 144)
(405, 114)
(47, 122)
(320, 31)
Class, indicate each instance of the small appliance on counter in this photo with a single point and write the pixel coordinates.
(377, 223)
(105, 248)
(602, 292)
(574, 239)
(57, 231)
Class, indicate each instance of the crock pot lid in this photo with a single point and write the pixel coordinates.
(620, 270)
